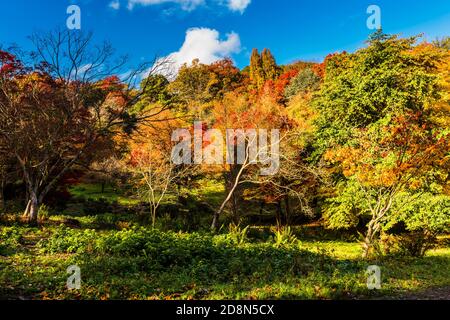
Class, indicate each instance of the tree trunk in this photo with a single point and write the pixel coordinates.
(279, 214)
(154, 210)
(234, 206)
(26, 213)
(288, 209)
(230, 179)
(261, 211)
(370, 238)
(33, 209)
(374, 226)
(215, 222)
(230, 187)
(2, 195)
(367, 246)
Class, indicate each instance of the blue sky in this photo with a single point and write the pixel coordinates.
(292, 29)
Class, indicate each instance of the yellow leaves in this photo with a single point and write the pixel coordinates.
(415, 184)
(300, 110)
(30, 80)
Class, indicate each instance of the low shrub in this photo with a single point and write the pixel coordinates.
(284, 236)
(217, 257)
(66, 240)
(10, 239)
(422, 220)
(414, 244)
(237, 234)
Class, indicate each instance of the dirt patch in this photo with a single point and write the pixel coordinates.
(430, 294)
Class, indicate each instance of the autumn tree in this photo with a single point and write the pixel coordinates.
(378, 110)
(244, 180)
(269, 65)
(55, 111)
(443, 43)
(190, 86)
(150, 160)
(198, 85)
(263, 67)
(385, 160)
(304, 81)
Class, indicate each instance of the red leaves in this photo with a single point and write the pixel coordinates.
(111, 83)
(8, 64)
(320, 69)
(406, 147)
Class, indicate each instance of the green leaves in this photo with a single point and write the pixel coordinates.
(391, 76)
(345, 209)
(429, 212)
(305, 81)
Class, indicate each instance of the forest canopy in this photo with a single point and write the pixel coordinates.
(365, 136)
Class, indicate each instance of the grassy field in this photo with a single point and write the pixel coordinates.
(145, 264)
(94, 192)
(121, 259)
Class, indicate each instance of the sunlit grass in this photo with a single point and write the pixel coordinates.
(336, 271)
(94, 192)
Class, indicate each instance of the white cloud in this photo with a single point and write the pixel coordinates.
(238, 5)
(200, 43)
(186, 5)
(205, 44)
(115, 5)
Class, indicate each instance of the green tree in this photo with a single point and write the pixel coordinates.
(305, 81)
(378, 122)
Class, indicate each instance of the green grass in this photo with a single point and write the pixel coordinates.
(138, 263)
(340, 250)
(120, 259)
(211, 190)
(94, 192)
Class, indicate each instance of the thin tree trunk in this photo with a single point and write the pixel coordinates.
(2, 195)
(154, 217)
(261, 211)
(218, 213)
(288, 209)
(26, 213)
(368, 242)
(373, 229)
(33, 208)
(215, 223)
(383, 206)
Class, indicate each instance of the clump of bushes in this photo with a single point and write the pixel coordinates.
(66, 240)
(156, 251)
(10, 239)
(422, 220)
(417, 243)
